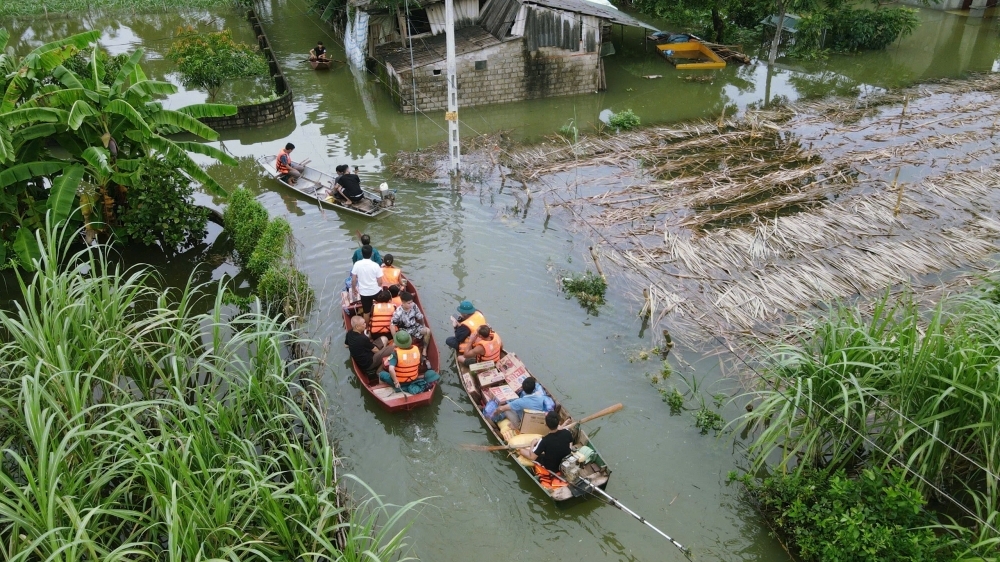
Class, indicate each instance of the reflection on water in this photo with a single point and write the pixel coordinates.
(506, 255)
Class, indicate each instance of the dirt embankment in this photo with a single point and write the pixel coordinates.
(732, 226)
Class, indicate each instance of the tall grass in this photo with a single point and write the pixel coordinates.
(20, 8)
(893, 387)
(134, 427)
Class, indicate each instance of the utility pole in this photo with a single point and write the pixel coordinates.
(452, 115)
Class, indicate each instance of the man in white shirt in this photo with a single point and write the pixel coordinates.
(366, 279)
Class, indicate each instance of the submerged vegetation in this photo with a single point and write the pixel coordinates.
(891, 389)
(136, 427)
(209, 60)
(588, 288)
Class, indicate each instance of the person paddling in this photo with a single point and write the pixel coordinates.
(551, 449)
(318, 53)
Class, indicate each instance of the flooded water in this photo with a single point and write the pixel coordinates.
(487, 246)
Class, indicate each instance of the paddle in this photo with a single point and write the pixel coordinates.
(605, 412)
(324, 60)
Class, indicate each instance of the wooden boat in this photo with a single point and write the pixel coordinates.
(390, 399)
(479, 377)
(320, 64)
(704, 58)
(312, 180)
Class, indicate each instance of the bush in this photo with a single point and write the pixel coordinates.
(624, 120)
(210, 60)
(861, 29)
(877, 517)
(588, 288)
(80, 64)
(160, 207)
(285, 289)
(271, 247)
(245, 220)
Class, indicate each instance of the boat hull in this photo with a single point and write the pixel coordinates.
(313, 180)
(319, 65)
(384, 394)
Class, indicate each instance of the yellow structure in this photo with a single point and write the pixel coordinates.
(703, 57)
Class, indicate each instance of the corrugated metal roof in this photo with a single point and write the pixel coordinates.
(430, 50)
(592, 9)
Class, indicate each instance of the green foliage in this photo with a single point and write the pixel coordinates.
(624, 120)
(210, 60)
(285, 289)
(588, 288)
(80, 64)
(876, 517)
(21, 8)
(271, 248)
(137, 428)
(246, 219)
(160, 207)
(674, 399)
(850, 29)
(570, 132)
(707, 419)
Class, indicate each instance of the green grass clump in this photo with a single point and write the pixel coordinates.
(588, 288)
(624, 120)
(285, 289)
(20, 8)
(271, 248)
(246, 219)
(137, 428)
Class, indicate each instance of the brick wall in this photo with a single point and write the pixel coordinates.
(259, 114)
(511, 74)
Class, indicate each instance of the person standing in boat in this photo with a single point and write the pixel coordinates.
(318, 53)
(366, 279)
(287, 169)
(552, 448)
(348, 185)
(468, 321)
(484, 345)
(367, 241)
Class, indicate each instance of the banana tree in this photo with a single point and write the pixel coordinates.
(65, 133)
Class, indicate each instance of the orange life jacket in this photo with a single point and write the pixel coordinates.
(398, 302)
(473, 322)
(491, 348)
(281, 166)
(390, 275)
(382, 317)
(407, 364)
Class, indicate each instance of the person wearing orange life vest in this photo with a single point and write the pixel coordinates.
(484, 345)
(382, 311)
(287, 169)
(391, 275)
(468, 321)
(394, 294)
(404, 367)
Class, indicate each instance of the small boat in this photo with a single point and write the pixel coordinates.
(312, 180)
(386, 395)
(480, 379)
(320, 64)
(700, 55)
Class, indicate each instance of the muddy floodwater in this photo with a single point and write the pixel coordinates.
(499, 250)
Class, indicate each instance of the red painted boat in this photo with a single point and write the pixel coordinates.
(390, 399)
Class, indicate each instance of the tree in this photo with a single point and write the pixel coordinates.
(104, 132)
(208, 61)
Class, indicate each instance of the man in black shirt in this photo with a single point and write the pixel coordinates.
(318, 52)
(348, 185)
(367, 354)
(554, 447)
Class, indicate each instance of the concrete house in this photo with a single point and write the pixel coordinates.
(506, 50)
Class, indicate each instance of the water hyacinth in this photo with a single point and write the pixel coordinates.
(136, 427)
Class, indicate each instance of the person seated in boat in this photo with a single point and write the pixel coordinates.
(484, 345)
(552, 448)
(404, 372)
(366, 352)
(408, 318)
(468, 321)
(288, 170)
(382, 314)
(391, 275)
(394, 293)
(367, 241)
(348, 185)
(318, 53)
(531, 397)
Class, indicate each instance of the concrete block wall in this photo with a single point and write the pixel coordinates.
(260, 114)
(511, 74)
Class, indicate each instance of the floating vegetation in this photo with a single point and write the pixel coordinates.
(588, 288)
(674, 399)
(624, 120)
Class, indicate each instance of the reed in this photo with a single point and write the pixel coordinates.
(22, 8)
(894, 387)
(136, 427)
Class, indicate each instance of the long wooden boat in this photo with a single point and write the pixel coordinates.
(478, 384)
(312, 180)
(386, 395)
(320, 64)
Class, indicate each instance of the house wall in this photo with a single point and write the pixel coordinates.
(512, 74)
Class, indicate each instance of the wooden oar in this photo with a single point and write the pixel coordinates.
(324, 60)
(605, 412)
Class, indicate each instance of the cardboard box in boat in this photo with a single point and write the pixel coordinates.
(490, 377)
(533, 421)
